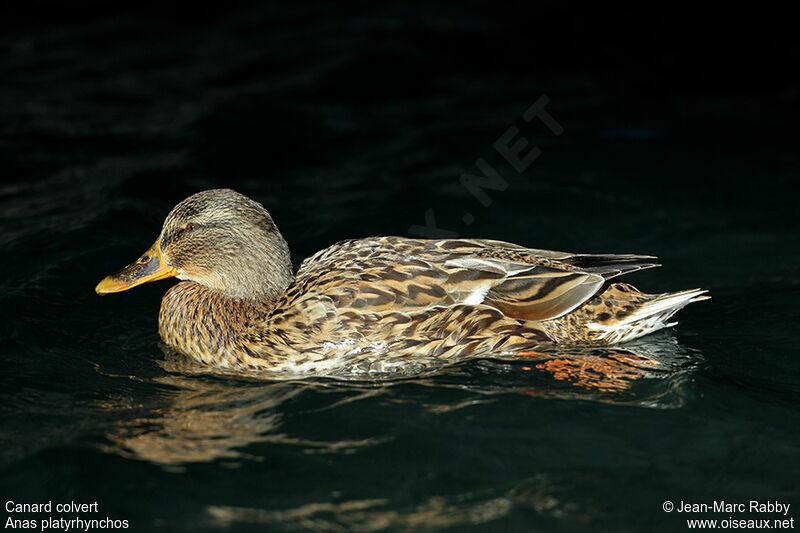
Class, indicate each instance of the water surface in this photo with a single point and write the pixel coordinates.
(346, 124)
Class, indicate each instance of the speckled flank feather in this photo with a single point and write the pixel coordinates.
(387, 302)
(620, 313)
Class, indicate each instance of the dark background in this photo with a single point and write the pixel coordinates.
(354, 119)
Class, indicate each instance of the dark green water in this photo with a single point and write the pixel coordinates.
(344, 124)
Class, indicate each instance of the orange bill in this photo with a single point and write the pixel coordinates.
(149, 267)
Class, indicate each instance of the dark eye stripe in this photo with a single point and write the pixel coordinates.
(177, 233)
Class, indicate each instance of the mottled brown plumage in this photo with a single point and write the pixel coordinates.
(377, 304)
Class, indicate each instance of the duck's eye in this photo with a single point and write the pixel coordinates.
(191, 226)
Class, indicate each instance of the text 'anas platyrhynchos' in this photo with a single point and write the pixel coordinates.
(377, 302)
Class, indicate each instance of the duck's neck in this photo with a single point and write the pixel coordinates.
(238, 280)
(209, 326)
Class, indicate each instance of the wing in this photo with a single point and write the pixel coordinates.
(382, 274)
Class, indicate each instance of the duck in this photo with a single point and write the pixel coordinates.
(377, 304)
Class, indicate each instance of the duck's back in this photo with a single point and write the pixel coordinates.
(446, 297)
(381, 274)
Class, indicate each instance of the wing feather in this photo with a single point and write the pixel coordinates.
(386, 274)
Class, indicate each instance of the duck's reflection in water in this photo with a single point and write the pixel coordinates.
(202, 417)
(201, 421)
(540, 494)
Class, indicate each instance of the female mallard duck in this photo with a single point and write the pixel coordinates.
(376, 303)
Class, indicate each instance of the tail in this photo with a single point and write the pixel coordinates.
(630, 314)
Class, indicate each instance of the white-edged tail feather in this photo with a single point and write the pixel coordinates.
(652, 316)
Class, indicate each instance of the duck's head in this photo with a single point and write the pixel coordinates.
(220, 239)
